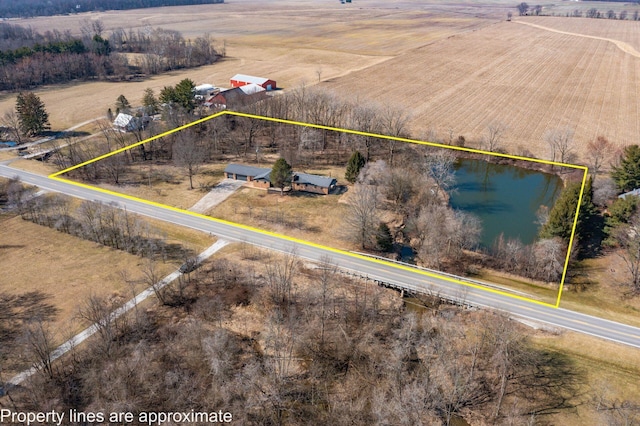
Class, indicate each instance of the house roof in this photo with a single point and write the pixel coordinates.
(262, 173)
(250, 79)
(122, 120)
(321, 181)
(264, 176)
(251, 88)
(241, 169)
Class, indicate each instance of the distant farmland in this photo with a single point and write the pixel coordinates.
(456, 68)
(530, 79)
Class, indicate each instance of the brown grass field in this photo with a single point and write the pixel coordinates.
(68, 270)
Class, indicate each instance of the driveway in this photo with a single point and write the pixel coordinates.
(217, 195)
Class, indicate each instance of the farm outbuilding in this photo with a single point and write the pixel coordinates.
(236, 97)
(239, 80)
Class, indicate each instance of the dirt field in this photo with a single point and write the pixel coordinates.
(624, 31)
(457, 67)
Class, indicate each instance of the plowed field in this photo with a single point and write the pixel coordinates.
(530, 79)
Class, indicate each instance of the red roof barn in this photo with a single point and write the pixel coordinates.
(239, 80)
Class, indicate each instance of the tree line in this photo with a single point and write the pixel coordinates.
(32, 59)
(524, 9)
(100, 223)
(29, 8)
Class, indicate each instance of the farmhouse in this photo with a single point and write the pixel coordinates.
(128, 123)
(259, 178)
(239, 80)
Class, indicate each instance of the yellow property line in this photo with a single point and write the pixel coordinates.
(56, 176)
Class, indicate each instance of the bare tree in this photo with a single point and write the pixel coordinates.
(604, 190)
(443, 233)
(439, 167)
(115, 166)
(361, 219)
(549, 254)
(189, 154)
(509, 349)
(394, 122)
(326, 278)
(400, 187)
(493, 135)
(279, 275)
(11, 121)
(598, 152)
(364, 118)
(99, 312)
(561, 145)
(40, 346)
(152, 279)
(628, 237)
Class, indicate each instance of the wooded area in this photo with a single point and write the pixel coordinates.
(32, 59)
(275, 341)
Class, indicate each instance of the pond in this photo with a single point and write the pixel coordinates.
(505, 198)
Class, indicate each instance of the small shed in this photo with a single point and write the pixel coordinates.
(202, 91)
(239, 80)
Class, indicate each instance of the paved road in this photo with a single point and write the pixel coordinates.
(563, 318)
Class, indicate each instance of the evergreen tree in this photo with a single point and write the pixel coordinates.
(281, 174)
(122, 104)
(168, 95)
(31, 113)
(620, 212)
(627, 174)
(384, 238)
(181, 95)
(563, 213)
(356, 163)
(184, 94)
(150, 102)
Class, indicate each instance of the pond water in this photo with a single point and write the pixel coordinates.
(505, 198)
